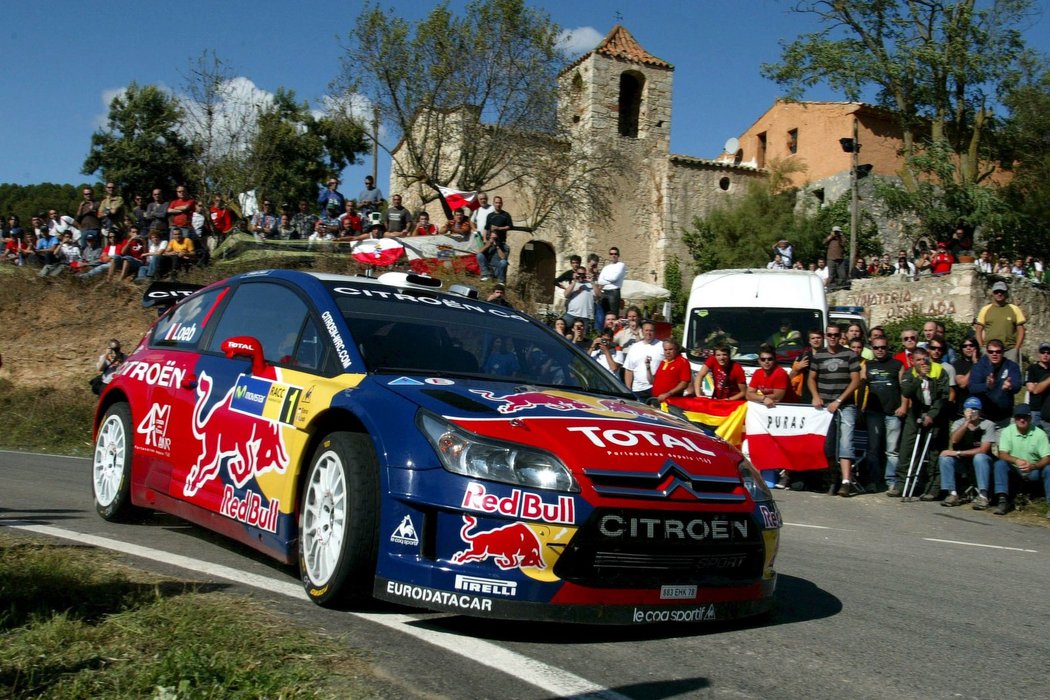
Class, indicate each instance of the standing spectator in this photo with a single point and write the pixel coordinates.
(1037, 381)
(769, 384)
(960, 243)
(370, 198)
(910, 342)
(561, 328)
(424, 227)
(995, 380)
(886, 267)
(479, 217)
(1003, 321)
(641, 358)
(822, 271)
(984, 262)
(970, 443)
(112, 207)
(458, 226)
(632, 330)
(925, 387)
(610, 282)
(836, 257)
(579, 299)
(1002, 268)
(1017, 269)
(264, 223)
(180, 212)
(563, 280)
(884, 412)
(942, 261)
(833, 379)
(855, 331)
(330, 218)
(800, 368)
(672, 374)
(495, 252)
(936, 349)
(87, 216)
(221, 217)
(785, 251)
(331, 194)
(157, 212)
(578, 335)
(922, 263)
(398, 220)
(138, 213)
(1023, 450)
(727, 376)
(605, 352)
(903, 266)
(971, 352)
(52, 219)
(304, 220)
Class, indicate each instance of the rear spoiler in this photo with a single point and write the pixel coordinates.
(163, 295)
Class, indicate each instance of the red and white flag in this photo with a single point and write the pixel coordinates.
(787, 436)
(459, 198)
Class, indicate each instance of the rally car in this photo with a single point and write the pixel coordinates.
(429, 449)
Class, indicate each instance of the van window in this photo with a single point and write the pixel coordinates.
(745, 329)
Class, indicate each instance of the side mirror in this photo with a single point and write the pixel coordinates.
(245, 346)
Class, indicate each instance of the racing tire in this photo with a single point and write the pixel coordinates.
(339, 521)
(111, 466)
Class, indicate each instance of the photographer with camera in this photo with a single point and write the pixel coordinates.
(579, 299)
(604, 352)
(108, 364)
(494, 254)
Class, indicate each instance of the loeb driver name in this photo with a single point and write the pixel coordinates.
(520, 504)
(249, 510)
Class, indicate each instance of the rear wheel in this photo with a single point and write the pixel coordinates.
(111, 467)
(338, 521)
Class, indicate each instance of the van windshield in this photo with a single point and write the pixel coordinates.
(745, 329)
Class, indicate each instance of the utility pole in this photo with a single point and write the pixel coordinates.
(854, 211)
(375, 143)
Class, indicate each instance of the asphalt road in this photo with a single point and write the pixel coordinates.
(877, 599)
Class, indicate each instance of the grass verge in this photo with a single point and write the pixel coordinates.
(76, 623)
(56, 420)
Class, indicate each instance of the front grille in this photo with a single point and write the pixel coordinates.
(631, 549)
(669, 482)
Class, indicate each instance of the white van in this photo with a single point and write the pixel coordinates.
(746, 308)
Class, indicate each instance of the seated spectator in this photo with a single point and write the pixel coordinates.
(886, 266)
(26, 248)
(1023, 450)
(605, 352)
(873, 266)
(424, 227)
(1002, 268)
(672, 375)
(347, 232)
(126, 264)
(942, 260)
(726, 374)
(458, 226)
(769, 384)
(984, 262)
(46, 251)
(1017, 269)
(155, 262)
(1037, 381)
(330, 218)
(350, 219)
(112, 242)
(10, 247)
(67, 257)
(90, 255)
(323, 233)
(969, 443)
(180, 251)
(285, 230)
(903, 266)
(264, 222)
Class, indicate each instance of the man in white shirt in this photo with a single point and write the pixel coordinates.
(641, 362)
(822, 271)
(610, 282)
(481, 214)
(579, 300)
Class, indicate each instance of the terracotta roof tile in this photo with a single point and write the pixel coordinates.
(619, 43)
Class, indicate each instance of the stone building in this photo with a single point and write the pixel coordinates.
(619, 95)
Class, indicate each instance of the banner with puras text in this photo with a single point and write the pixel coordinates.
(787, 436)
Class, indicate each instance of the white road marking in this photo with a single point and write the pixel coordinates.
(556, 681)
(978, 544)
(819, 527)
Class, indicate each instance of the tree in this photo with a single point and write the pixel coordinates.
(141, 146)
(936, 64)
(471, 101)
(292, 150)
(1027, 140)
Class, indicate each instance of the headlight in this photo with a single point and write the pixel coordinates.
(465, 453)
(754, 483)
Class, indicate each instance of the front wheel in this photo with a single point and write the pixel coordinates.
(111, 467)
(338, 521)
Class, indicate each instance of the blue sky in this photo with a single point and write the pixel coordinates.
(62, 61)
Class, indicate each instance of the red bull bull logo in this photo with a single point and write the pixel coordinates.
(246, 444)
(512, 403)
(512, 546)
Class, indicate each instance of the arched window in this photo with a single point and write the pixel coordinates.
(631, 85)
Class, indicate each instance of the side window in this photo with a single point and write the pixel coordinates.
(270, 313)
(184, 327)
(310, 353)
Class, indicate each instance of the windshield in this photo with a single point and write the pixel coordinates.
(745, 329)
(439, 336)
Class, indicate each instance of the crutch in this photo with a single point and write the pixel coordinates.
(915, 468)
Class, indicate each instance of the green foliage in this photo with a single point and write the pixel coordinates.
(141, 146)
(679, 291)
(27, 200)
(1027, 140)
(293, 150)
(954, 331)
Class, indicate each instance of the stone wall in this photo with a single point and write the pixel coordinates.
(958, 295)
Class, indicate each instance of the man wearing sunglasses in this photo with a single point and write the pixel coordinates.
(995, 380)
(1024, 450)
(884, 411)
(833, 379)
(1037, 381)
(925, 386)
(1003, 321)
(909, 341)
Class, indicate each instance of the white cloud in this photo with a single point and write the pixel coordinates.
(231, 119)
(580, 40)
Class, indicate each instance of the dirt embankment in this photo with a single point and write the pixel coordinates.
(53, 330)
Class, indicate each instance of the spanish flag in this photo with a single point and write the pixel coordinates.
(724, 418)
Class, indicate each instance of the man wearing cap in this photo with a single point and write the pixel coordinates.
(971, 441)
(1024, 450)
(1003, 321)
(1037, 381)
(836, 257)
(331, 194)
